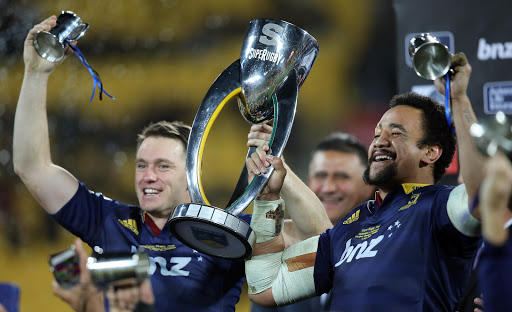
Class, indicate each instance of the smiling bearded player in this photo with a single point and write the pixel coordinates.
(411, 248)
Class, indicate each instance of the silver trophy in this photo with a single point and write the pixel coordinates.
(275, 60)
(51, 45)
(430, 58)
(112, 269)
(493, 136)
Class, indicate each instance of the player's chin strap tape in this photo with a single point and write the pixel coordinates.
(289, 272)
(459, 213)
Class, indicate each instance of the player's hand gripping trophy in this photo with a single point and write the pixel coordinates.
(275, 60)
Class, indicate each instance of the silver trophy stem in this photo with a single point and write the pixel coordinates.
(225, 85)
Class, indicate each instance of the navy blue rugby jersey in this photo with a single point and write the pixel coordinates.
(182, 278)
(404, 255)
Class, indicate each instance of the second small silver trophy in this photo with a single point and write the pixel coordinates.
(275, 60)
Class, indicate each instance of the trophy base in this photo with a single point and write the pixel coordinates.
(212, 231)
(48, 46)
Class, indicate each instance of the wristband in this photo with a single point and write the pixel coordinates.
(267, 219)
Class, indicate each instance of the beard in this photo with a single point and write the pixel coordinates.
(385, 176)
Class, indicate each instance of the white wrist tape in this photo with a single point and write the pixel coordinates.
(261, 271)
(289, 272)
(459, 214)
(267, 219)
(295, 280)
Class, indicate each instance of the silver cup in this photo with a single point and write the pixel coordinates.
(51, 44)
(111, 269)
(493, 136)
(275, 60)
(271, 51)
(430, 58)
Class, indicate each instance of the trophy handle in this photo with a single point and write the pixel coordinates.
(285, 106)
(242, 183)
(224, 88)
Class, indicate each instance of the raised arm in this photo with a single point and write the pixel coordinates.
(471, 161)
(52, 186)
(495, 194)
(306, 210)
(274, 275)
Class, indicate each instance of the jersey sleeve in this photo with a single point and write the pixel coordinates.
(450, 239)
(323, 272)
(85, 213)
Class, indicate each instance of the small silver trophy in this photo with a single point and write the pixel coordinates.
(112, 269)
(430, 58)
(51, 44)
(275, 60)
(493, 136)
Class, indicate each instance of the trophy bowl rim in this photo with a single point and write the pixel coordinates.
(52, 37)
(178, 217)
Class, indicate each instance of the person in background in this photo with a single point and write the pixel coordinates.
(336, 174)
(495, 263)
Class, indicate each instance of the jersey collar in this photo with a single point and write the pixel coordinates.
(151, 224)
(408, 188)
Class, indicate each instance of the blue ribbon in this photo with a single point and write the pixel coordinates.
(96, 80)
(447, 102)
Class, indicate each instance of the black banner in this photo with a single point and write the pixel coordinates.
(480, 29)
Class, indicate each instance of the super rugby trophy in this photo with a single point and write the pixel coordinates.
(275, 60)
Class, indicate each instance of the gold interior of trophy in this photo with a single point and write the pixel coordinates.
(242, 104)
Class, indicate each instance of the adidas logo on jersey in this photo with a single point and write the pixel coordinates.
(353, 218)
(130, 224)
(412, 201)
